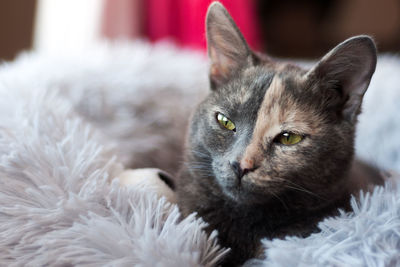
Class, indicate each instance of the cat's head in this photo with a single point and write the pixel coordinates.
(270, 127)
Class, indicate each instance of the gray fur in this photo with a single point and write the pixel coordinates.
(291, 188)
(227, 48)
(349, 68)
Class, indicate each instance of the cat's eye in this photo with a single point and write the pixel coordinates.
(225, 122)
(287, 138)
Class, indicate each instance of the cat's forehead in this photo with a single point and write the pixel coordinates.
(274, 97)
(291, 75)
(279, 98)
(283, 107)
(253, 84)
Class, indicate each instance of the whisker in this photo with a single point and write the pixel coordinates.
(281, 200)
(299, 188)
(305, 191)
(200, 154)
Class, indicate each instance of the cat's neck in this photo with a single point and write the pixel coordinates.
(244, 225)
(275, 213)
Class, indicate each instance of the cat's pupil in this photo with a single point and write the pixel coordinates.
(225, 122)
(286, 137)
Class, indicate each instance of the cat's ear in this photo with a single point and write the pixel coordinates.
(347, 69)
(227, 48)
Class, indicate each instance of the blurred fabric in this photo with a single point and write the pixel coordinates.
(122, 19)
(290, 28)
(179, 20)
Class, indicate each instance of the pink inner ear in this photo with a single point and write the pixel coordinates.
(219, 72)
(227, 48)
(221, 66)
(215, 72)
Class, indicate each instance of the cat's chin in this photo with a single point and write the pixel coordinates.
(246, 198)
(245, 194)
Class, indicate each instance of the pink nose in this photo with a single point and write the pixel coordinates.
(247, 164)
(242, 168)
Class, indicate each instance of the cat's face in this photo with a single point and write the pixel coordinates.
(267, 127)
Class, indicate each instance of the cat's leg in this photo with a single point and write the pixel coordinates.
(153, 180)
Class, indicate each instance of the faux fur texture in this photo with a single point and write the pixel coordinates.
(140, 97)
(57, 206)
(369, 236)
(70, 122)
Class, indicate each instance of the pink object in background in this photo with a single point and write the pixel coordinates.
(183, 20)
(179, 20)
(122, 19)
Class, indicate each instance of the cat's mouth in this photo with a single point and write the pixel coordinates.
(235, 192)
(247, 187)
(244, 189)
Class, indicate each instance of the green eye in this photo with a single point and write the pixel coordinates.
(289, 138)
(225, 122)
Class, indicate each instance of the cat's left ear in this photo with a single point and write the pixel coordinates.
(227, 48)
(347, 69)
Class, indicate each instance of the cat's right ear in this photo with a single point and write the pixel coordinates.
(227, 48)
(347, 69)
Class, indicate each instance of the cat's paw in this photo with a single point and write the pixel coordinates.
(153, 180)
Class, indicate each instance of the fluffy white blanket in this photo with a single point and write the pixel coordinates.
(69, 123)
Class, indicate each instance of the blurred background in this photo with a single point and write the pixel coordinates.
(286, 28)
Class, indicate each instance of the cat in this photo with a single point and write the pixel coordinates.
(269, 152)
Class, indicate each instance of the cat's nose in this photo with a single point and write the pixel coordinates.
(241, 170)
(247, 163)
